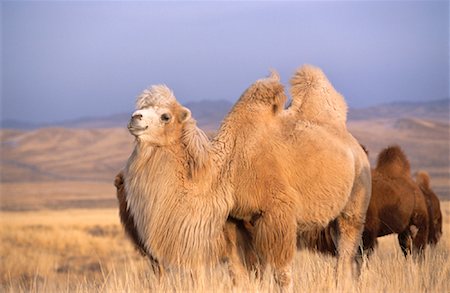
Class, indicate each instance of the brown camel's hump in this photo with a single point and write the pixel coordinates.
(392, 161)
(423, 179)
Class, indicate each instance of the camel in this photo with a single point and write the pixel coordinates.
(397, 205)
(282, 170)
(433, 205)
(400, 207)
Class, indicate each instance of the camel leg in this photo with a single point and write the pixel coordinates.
(350, 229)
(419, 232)
(235, 269)
(369, 242)
(275, 242)
(404, 239)
(230, 254)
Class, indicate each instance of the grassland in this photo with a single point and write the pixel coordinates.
(85, 250)
(60, 230)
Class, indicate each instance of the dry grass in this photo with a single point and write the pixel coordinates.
(86, 251)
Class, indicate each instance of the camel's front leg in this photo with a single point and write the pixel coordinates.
(275, 242)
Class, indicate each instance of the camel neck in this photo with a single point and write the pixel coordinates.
(231, 133)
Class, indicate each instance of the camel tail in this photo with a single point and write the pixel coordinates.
(315, 98)
(392, 161)
(423, 179)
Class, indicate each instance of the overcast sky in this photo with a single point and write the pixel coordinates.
(64, 60)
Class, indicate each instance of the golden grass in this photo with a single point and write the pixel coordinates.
(86, 251)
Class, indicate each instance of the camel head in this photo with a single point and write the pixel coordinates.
(159, 118)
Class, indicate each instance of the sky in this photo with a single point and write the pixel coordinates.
(65, 60)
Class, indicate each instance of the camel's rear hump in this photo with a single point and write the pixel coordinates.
(423, 179)
(315, 98)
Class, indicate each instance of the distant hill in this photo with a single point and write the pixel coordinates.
(437, 109)
(63, 154)
(95, 149)
(423, 127)
(17, 124)
(208, 114)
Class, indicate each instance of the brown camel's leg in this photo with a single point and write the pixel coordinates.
(404, 239)
(414, 238)
(419, 232)
(275, 242)
(369, 241)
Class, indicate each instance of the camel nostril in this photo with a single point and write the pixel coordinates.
(137, 116)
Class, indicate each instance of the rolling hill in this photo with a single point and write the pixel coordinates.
(75, 165)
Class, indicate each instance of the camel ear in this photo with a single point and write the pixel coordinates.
(185, 115)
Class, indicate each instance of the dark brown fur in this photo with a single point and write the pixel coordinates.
(434, 208)
(320, 240)
(397, 206)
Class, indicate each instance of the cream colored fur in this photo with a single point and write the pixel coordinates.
(297, 169)
(316, 100)
(181, 222)
(282, 170)
(178, 205)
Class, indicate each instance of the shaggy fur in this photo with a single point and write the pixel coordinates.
(174, 206)
(295, 170)
(239, 251)
(397, 206)
(316, 100)
(285, 171)
(434, 207)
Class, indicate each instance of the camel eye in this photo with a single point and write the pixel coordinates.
(165, 118)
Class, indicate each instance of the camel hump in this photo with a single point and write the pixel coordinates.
(393, 161)
(423, 179)
(315, 98)
(266, 91)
